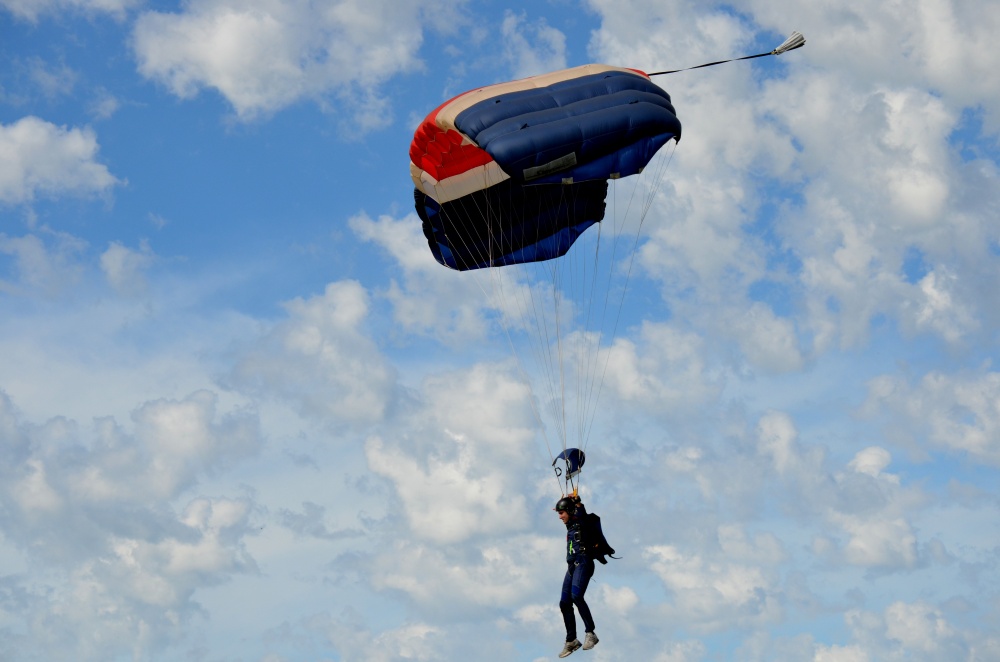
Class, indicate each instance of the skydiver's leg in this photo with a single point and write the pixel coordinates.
(581, 579)
(566, 605)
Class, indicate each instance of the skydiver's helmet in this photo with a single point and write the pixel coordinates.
(566, 504)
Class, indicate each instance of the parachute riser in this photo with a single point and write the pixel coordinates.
(567, 480)
(567, 466)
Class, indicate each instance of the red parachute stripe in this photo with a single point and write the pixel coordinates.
(440, 153)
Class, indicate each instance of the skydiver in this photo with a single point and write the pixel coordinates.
(578, 573)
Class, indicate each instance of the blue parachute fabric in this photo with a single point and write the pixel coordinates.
(538, 222)
(595, 126)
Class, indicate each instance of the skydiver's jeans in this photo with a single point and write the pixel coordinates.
(574, 586)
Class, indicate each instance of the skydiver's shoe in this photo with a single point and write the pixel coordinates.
(570, 647)
(590, 641)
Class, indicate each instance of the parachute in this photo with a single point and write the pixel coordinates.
(516, 172)
(508, 178)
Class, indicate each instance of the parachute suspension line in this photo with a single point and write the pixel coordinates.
(512, 298)
(593, 326)
(596, 384)
(547, 296)
(493, 218)
(592, 335)
(557, 279)
(545, 283)
(538, 333)
(795, 40)
(522, 299)
(661, 171)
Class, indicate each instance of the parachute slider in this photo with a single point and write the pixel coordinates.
(795, 40)
(573, 459)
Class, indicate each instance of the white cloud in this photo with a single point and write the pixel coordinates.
(532, 48)
(124, 267)
(270, 54)
(103, 105)
(31, 10)
(940, 308)
(713, 592)
(860, 204)
(911, 631)
(92, 512)
(933, 43)
(321, 359)
(668, 33)
(456, 466)
(432, 300)
(958, 413)
(665, 373)
(46, 263)
(778, 441)
(52, 81)
(840, 654)
(40, 158)
(880, 541)
(413, 641)
(865, 503)
(500, 573)
(871, 461)
(767, 341)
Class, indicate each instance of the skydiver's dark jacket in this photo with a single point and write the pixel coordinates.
(585, 538)
(576, 550)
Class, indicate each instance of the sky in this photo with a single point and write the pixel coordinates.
(245, 416)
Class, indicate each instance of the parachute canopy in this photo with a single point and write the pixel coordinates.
(515, 172)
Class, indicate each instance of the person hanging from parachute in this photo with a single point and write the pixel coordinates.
(580, 568)
(585, 543)
(512, 175)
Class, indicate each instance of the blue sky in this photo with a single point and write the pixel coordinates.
(245, 416)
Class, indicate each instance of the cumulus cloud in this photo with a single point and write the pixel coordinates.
(532, 48)
(766, 340)
(714, 592)
(93, 511)
(862, 502)
(861, 206)
(271, 54)
(431, 300)
(956, 413)
(500, 573)
(456, 467)
(663, 372)
(928, 42)
(914, 631)
(40, 158)
(321, 359)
